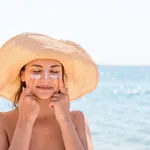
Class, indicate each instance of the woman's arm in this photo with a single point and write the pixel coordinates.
(22, 136)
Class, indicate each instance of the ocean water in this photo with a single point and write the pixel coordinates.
(118, 111)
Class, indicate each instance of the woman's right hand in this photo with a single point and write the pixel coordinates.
(28, 108)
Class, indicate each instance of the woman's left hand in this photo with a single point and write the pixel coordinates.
(60, 102)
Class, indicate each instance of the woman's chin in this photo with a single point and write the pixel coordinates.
(44, 96)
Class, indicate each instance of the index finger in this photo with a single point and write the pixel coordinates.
(30, 85)
(61, 86)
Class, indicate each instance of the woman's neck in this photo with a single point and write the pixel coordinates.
(45, 111)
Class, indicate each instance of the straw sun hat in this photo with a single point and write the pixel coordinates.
(81, 71)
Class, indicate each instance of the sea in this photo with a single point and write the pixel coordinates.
(118, 110)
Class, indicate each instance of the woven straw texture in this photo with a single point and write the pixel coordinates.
(82, 72)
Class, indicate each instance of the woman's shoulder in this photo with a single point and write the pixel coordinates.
(78, 118)
(8, 117)
(76, 114)
(81, 125)
(10, 113)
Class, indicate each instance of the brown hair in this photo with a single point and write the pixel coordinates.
(22, 84)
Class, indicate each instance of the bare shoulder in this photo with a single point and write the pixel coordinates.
(77, 117)
(77, 113)
(82, 127)
(8, 114)
(79, 120)
(9, 117)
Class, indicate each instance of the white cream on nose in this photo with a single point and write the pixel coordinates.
(46, 74)
(54, 76)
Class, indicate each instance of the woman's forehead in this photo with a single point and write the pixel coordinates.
(44, 62)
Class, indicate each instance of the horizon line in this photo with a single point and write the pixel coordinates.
(134, 65)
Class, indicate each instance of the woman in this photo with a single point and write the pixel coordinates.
(41, 76)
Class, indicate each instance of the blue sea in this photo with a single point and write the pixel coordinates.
(118, 111)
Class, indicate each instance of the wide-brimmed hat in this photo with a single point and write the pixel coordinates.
(81, 71)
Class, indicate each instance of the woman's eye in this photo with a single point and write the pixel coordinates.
(55, 72)
(37, 71)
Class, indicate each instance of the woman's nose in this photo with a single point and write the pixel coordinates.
(45, 75)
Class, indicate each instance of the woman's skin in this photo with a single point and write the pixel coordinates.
(43, 119)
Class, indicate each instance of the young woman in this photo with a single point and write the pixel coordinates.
(41, 75)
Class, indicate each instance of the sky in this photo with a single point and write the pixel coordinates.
(114, 32)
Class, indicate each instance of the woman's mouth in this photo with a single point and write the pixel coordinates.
(44, 87)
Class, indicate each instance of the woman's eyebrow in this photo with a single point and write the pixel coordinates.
(54, 66)
(36, 65)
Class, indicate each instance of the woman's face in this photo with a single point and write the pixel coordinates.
(46, 73)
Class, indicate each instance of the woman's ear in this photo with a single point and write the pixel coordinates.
(22, 76)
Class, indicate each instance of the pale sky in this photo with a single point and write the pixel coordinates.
(112, 31)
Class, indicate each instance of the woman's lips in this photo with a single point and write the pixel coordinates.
(44, 87)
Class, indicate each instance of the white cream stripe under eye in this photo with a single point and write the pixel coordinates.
(35, 76)
(46, 77)
(54, 76)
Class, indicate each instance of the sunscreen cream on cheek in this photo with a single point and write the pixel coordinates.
(35, 76)
(54, 76)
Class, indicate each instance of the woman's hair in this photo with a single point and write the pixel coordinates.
(22, 84)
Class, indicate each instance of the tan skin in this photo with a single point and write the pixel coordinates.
(43, 120)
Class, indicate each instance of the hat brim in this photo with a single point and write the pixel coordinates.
(82, 72)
